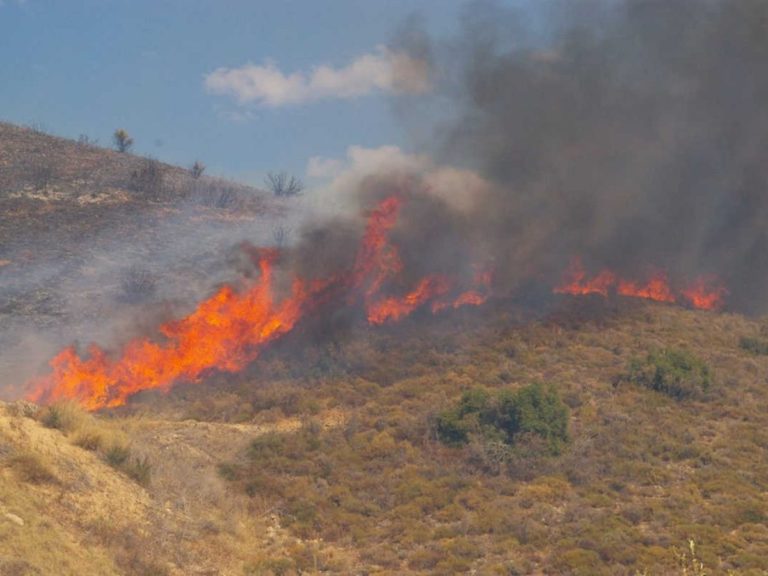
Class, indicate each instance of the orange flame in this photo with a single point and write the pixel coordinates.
(226, 331)
(377, 260)
(475, 296)
(657, 288)
(575, 281)
(704, 293)
(396, 308)
(229, 329)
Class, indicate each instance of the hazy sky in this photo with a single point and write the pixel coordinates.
(245, 86)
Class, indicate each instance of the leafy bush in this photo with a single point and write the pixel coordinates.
(123, 142)
(51, 417)
(532, 410)
(137, 468)
(676, 373)
(454, 426)
(140, 470)
(65, 416)
(756, 346)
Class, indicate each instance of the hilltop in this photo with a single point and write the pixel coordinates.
(77, 189)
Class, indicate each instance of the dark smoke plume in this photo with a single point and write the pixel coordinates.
(631, 133)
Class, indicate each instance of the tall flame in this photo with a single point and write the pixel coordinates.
(705, 293)
(226, 331)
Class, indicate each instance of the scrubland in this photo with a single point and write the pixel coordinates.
(610, 437)
(325, 458)
(644, 471)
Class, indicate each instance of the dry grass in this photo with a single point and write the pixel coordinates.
(342, 473)
(643, 472)
(30, 467)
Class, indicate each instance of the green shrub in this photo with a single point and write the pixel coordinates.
(454, 426)
(756, 346)
(532, 410)
(676, 373)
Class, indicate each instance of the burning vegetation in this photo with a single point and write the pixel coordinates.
(228, 330)
(573, 147)
(703, 293)
(610, 162)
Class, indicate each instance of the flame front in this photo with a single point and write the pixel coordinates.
(705, 293)
(226, 332)
(229, 329)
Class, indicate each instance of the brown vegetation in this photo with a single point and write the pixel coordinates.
(324, 456)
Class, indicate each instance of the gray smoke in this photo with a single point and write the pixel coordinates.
(631, 133)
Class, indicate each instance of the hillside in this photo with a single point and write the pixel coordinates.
(84, 230)
(542, 434)
(642, 474)
(68, 506)
(325, 457)
(82, 189)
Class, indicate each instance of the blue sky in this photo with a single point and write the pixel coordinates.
(90, 66)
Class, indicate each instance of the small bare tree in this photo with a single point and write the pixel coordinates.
(137, 285)
(123, 142)
(281, 184)
(197, 169)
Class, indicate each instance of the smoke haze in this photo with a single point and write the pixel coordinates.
(631, 133)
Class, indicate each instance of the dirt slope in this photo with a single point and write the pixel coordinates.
(64, 510)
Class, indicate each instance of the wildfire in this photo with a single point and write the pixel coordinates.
(704, 293)
(396, 308)
(378, 263)
(229, 329)
(226, 331)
